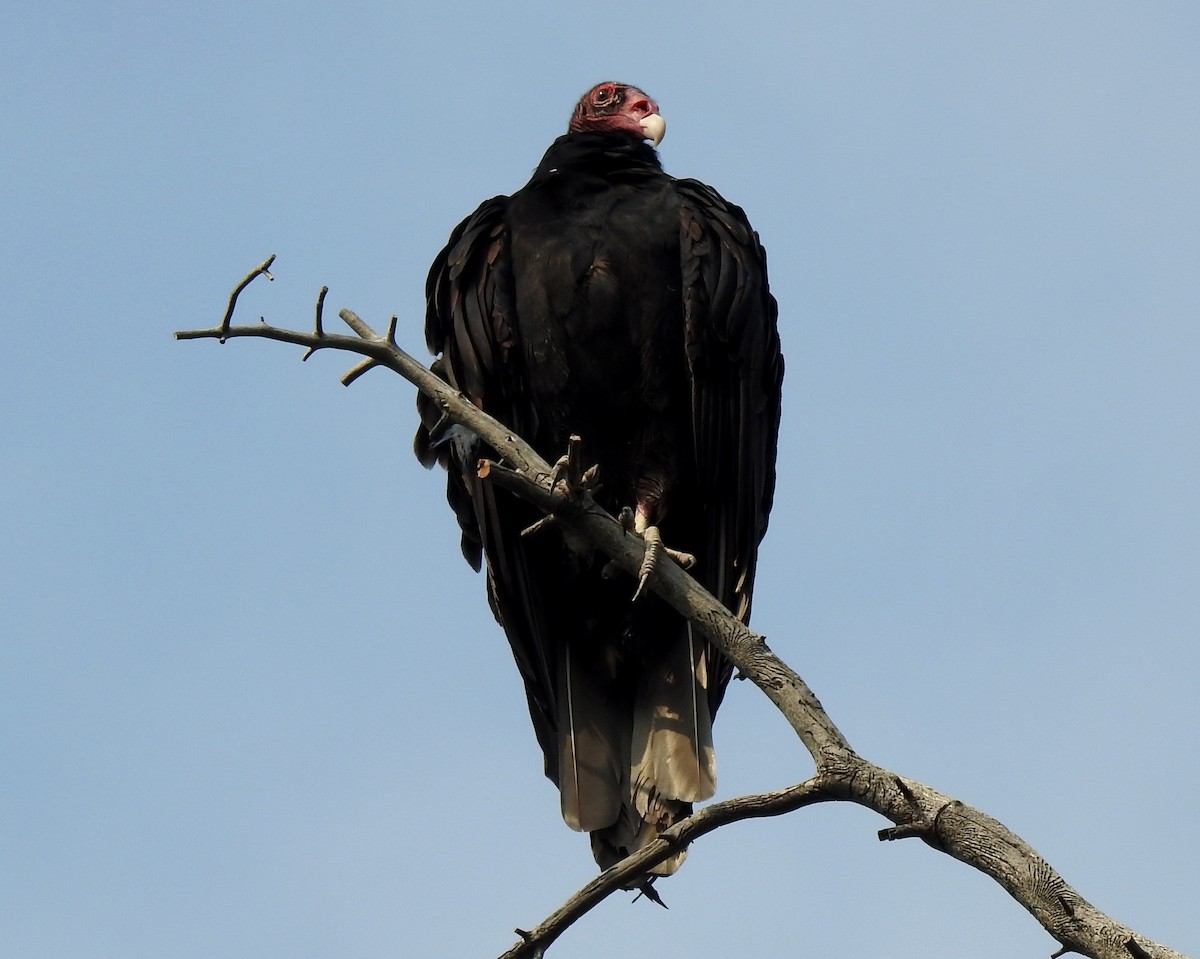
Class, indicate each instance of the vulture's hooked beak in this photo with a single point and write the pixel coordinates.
(653, 126)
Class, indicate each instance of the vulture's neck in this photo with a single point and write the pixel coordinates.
(598, 153)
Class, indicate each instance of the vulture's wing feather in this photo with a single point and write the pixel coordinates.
(471, 323)
(736, 371)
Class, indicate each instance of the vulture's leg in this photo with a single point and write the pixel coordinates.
(654, 548)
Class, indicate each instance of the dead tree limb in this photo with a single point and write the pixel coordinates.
(914, 809)
(535, 941)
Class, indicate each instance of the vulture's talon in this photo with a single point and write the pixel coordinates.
(626, 518)
(654, 547)
(559, 473)
(685, 560)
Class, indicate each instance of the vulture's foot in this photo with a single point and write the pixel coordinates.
(654, 551)
(626, 521)
(569, 471)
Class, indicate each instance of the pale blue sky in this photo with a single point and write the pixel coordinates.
(252, 703)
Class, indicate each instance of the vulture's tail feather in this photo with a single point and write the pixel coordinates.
(672, 751)
(668, 756)
(591, 743)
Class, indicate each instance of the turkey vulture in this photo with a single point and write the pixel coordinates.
(608, 299)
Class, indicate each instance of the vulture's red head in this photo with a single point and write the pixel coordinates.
(618, 108)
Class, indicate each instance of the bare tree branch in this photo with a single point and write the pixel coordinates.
(916, 810)
(263, 269)
(535, 941)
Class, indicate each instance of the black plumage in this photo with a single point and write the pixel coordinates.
(610, 300)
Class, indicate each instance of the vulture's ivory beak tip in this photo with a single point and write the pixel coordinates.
(654, 126)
